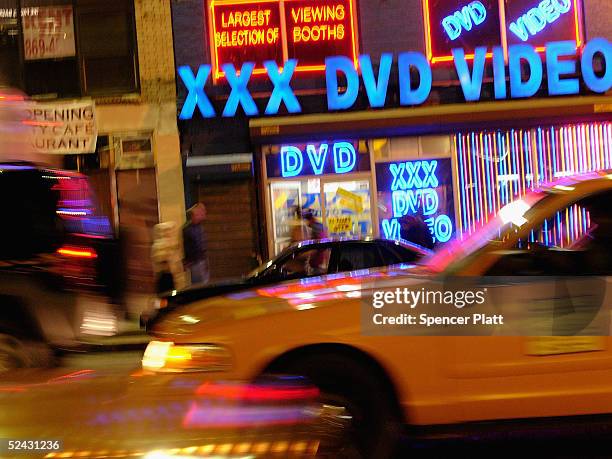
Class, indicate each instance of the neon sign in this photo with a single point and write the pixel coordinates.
(467, 17)
(245, 31)
(539, 22)
(316, 159)
(466, 24)
(560, 66)
(422, 187)
(292, 158)
(280, 30)
(536, 19)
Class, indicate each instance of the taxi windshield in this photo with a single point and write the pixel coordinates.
(509, 218)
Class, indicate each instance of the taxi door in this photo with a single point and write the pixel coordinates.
(557, 358)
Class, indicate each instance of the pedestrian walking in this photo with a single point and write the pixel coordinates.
(196, 245)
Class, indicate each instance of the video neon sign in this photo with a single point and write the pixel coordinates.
(561, 63)
(467, 17)
(415, 189)
(536, 19)
(342, 154)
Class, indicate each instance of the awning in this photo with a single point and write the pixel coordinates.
(431, 119)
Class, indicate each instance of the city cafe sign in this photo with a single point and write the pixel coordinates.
(560, 67)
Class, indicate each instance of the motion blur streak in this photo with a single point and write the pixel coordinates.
(251, 392)
(240, 416)
(227, 450)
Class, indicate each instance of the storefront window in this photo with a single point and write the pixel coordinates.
(329, 180)
(347, 208)
(68, 48)
(495, 168)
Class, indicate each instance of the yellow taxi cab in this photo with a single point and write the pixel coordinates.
(315, 328)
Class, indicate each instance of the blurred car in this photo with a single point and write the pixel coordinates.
(314, 328)
(302, 260)
(56, 256)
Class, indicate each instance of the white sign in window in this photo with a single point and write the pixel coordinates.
(48, 32)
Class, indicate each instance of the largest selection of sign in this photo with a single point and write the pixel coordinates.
(278, 30)
(415, 77)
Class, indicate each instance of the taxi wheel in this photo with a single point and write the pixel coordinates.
(353, 388)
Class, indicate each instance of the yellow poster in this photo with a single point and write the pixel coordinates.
(350, 200)
(340, 225)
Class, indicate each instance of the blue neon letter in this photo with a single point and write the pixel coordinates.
(336, 101)
(282, 90)
(317, 158)
(499, 72)
(240, 93)
(556, 68)
(408, 96)
(196, 95)
(595, 83)
(429, 169)
(471, 84)
(292, 161)
(377, 92)
(398, 169)
(519, 88)
(344, 157)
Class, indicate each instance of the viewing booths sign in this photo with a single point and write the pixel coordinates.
(48, 32)
(279, 30)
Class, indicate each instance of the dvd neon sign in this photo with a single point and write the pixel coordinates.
(415, 189)
(414, 76)
(344, 158)
(466, 18)
(536, 19)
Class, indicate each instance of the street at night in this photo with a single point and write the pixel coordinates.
(361, 229)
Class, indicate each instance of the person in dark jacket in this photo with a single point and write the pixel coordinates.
(196, 245)
(414, 229)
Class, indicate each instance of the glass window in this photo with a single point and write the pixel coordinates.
(311, 262)
(393, 254)
(352, 257)
(49, 48)
(107, 48)
(10, 74)
(576, 241)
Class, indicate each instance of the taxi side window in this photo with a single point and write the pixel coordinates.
(576, 241)
(357, 256)
(303, 263)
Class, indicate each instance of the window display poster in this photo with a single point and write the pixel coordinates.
(48, 32)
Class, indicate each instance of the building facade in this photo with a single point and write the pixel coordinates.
(118, 57)
(411, 127)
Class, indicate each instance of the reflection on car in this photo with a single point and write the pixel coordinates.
(303, 260)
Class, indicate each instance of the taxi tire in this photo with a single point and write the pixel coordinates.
(377, 426)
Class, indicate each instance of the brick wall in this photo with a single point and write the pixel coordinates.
(598, 18)
(155, 50)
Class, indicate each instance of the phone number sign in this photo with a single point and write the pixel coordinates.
(48, 32)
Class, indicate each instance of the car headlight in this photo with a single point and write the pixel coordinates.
(166, 356)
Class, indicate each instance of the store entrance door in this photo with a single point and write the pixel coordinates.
(347, 207)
